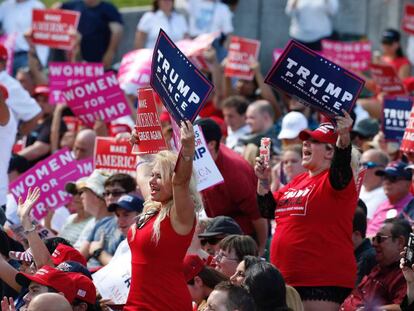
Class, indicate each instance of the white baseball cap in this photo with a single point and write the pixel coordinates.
(292, 124)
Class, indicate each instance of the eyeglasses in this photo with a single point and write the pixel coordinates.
(380, 238)
(211, 241)
(221, 255)
(371, 164)
(113, 193)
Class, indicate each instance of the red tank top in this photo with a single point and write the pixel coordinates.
(158, 282)
(312, 245)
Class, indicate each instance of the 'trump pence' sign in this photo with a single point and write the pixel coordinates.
(395, 116)
(50, 175)
(314, 80)
(408, 18)
(182, 87)
(407, 144)
(51, 27)
(97, 99)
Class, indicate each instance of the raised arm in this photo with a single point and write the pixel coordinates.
(183, 209)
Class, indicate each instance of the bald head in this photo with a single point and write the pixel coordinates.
(84, 144)
(379, 161)
(49, 302)
(259, 116)
(375, 155)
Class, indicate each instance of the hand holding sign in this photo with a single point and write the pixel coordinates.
(343, 126)
(187, 140)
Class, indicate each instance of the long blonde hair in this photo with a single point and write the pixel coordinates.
(166, 160)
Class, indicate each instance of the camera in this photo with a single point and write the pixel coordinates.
(409, 254)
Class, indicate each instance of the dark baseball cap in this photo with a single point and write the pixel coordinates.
(221, 225)
(128, 202)
(390, 36)
(396, 169)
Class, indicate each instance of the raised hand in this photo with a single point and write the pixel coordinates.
(7, 304)
(343, 127)
(187, 138)
(24, 208)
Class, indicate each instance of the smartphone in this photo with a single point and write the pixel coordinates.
(409, 254)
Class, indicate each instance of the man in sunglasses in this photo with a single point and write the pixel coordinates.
(396, 184)
(372, 192)
(385, 287)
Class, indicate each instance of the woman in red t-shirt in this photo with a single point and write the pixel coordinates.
(160, 238)
(312, 245)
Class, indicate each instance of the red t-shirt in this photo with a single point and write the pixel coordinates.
(397, 63)
(312, 243)
(236, 196)
(157, 276)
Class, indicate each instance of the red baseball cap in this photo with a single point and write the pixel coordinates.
(66, 253)
(4, 91)
(3, 52)
(192, 266)
(51, 277)
(41, 90)
(325, 133)
(85, 290)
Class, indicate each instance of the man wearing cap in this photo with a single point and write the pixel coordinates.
(236, 196)
(396, 184)
(218, 229)
(234, 113)
(363, 132)
(292, 124)
(126, 211)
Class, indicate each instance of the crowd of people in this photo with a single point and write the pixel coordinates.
(298, 231)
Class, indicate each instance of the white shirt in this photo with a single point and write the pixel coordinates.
(209, 16)
(233, 137)
(372, 199)
(122, 250)
(16, 17)
(311, 19)
(7, 138)
(21, 104)
(174, 25)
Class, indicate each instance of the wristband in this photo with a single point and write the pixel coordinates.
(97, 253)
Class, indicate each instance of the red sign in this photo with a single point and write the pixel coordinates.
(148, 126)
(242, 52)
(407, 23)
(114, 156)
(352, 55)
(360, 179)
(387, 80)
(407, 144)
(52, 27)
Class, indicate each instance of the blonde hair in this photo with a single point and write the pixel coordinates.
(166, 160)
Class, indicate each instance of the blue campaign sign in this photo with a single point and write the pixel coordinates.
(395, 115)
(314, 80)
(181, 86)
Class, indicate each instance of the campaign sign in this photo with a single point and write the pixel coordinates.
(314, 80)
(113, 156)
(151, 139)
(407, 144)
(407, 22)
(52, 27)
(387, 80)
(85, 167)
(135, 69)
(97, 99)
(181, 86)
(8, 41)
(360, 179)
(354, 55)
(51, 176)
(395, 115)
(63, 75)
(242, 52)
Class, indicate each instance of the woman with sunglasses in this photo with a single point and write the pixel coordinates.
(312, 243)
(162, 234)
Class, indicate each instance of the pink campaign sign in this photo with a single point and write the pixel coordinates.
(97, 99)
(135, 69)
(51, 175)
(354, 55)
(63, 75)
(9, 41)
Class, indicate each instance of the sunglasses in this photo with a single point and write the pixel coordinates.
(371, 164)
(380, 238)
(211, 241)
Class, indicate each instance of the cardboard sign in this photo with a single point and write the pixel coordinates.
(407, 22)
(114, 280)
(97, 99)
(407, 144)
(354, 55)
(151, 139)
(52, 27)
(242, 52)
(314, 80)
(181, 86)
(395, 115)
(387, 80)
(50, 175)
(114, 156)
(63, 75)
(8, 41)
(135, 69)
(85, 167)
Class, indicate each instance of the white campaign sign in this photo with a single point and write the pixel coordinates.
(206, 169)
